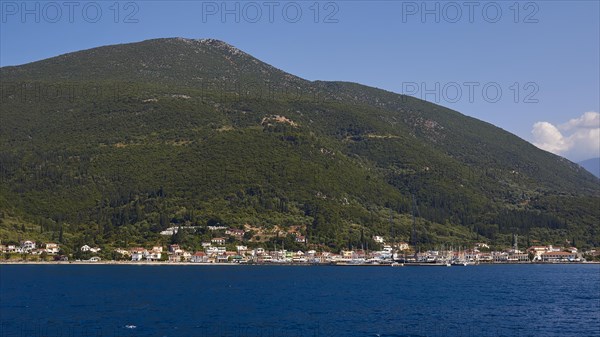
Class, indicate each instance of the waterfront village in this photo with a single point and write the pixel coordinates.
(219, 250)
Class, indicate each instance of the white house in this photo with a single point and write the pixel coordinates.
(137, 254)
(52, 248)
(378, 239)
(175, 249)
(212, 250)
(13, 249)
(538, 251)
(153, 256)
(27, 245)
(85, 248)
(518, 257)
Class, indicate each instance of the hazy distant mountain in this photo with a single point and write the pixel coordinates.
(592, 165)
(116, 143)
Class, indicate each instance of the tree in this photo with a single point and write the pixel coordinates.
(65, 250)
(249, 234)
(178, 237)
(163, 220)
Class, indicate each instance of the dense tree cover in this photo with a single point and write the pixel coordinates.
(170, 133)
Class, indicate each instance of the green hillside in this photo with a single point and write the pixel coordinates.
(114, 144)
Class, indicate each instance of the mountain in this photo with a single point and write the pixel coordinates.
(114, 144)
(592, 165)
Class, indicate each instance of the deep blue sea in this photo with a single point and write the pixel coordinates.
(129, 300)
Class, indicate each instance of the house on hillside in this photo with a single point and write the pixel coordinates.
(27, 245)
(175, 249)
(86, 248)
(235, 232)
(218, 241)
(123, 252)
(52, 248)
(13, 249)
(216, 228)
(403, 246)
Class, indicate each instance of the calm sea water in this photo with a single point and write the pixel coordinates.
(105, 300)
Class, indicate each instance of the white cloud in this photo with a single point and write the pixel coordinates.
(547, 137)
(577, 139)
(589, 120)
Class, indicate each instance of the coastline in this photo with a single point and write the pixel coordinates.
(130, 263)
(118, 263)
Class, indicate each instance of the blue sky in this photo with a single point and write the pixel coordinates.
(544, 56)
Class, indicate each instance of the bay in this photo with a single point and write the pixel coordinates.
(132, 300)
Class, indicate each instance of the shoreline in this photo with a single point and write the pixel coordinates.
(129, 263)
